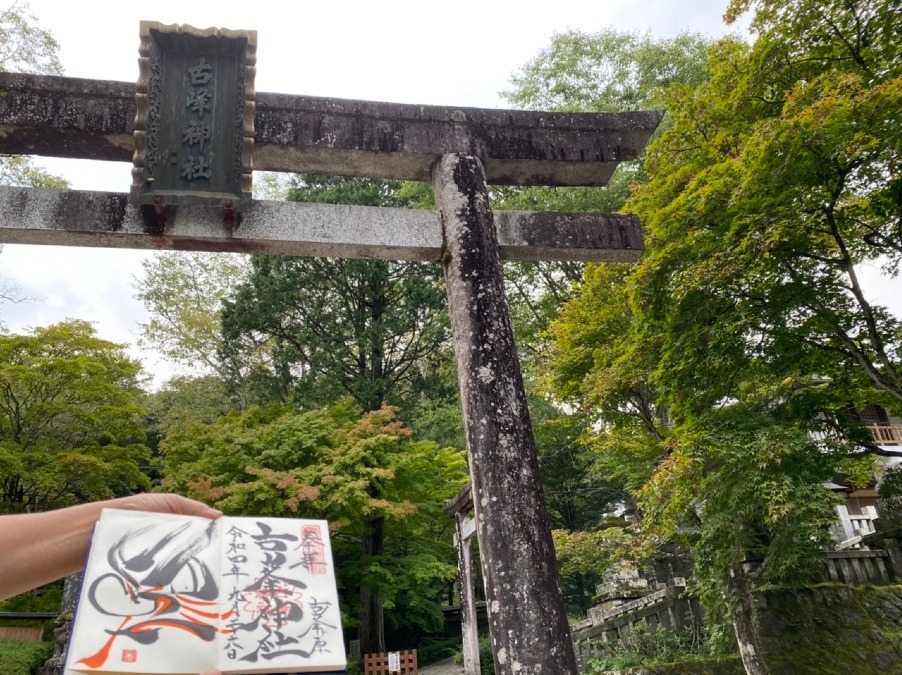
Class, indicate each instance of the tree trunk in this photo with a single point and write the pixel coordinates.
(371, 631)
(750, 648)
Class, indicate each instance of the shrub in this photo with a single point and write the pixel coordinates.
(23, 658)
(486, 660)
(643, 646)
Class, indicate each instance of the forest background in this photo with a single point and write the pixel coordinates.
(692, 403)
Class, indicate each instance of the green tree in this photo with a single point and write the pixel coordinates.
(606, 71)
(745, 332)
(335, 327)
(70, 422)
(25, 47)
(181, 402)
(184, 292)
(323, 464)
(577, 494)
(373, 330)
(777, 180)
(583, 556)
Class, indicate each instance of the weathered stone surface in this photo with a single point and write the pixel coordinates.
(63, 626)
(66, 117)
(528, 622)
(34, 216)
(91, 119)
(534, 235)
(830, 629)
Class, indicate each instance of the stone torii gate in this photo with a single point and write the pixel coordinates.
(459, 150)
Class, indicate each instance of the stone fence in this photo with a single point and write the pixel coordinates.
(669, 607)
(879, 562)
(672, 608)
(860, 567)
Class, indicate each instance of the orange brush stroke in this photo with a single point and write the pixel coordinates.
(163, 623)
(100, 657)
(162, 604)
(209, 615)
(194, 601)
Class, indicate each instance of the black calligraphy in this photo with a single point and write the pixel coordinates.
(197, 134)
(273, 616)
(157, 582)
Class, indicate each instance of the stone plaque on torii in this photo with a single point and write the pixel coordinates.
(459, 150)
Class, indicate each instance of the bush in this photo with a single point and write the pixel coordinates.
(355, 667)
(23, 658)
(643, 646)
(486, 659)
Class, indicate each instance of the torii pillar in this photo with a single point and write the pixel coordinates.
(527, 618)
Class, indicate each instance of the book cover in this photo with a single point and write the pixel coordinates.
(180, 594)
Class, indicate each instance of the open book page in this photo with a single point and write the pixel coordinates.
(177, 594)
(281, 601)
(150, 597)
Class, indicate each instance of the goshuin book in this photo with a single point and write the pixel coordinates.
(180, 595)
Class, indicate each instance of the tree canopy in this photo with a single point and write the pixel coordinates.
(605, 71)
(350, 469)
(724, 370)
(778, 178)
(70, 420)
(335, 327)
(183, 292)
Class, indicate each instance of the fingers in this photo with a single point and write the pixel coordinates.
(191, 507)
(166, 503)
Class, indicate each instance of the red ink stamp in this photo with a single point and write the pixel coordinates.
(129, 655)
(314, 558)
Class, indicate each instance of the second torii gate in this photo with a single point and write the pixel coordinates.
(460, 150)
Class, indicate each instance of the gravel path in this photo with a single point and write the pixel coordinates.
(446, 667)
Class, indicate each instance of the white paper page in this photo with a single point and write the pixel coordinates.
(150, 599)
(281, 602)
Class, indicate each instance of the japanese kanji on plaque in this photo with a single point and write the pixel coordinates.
(194, 128)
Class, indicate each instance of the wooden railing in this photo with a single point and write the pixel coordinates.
(887, 434)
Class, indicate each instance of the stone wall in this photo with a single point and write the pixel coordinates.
(832, 629)
(669, 607)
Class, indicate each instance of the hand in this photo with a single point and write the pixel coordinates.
(41, 547)
(165, 503)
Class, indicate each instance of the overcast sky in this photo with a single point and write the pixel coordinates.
(453, 53)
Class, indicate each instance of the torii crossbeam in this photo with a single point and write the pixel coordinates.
(459, 150)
